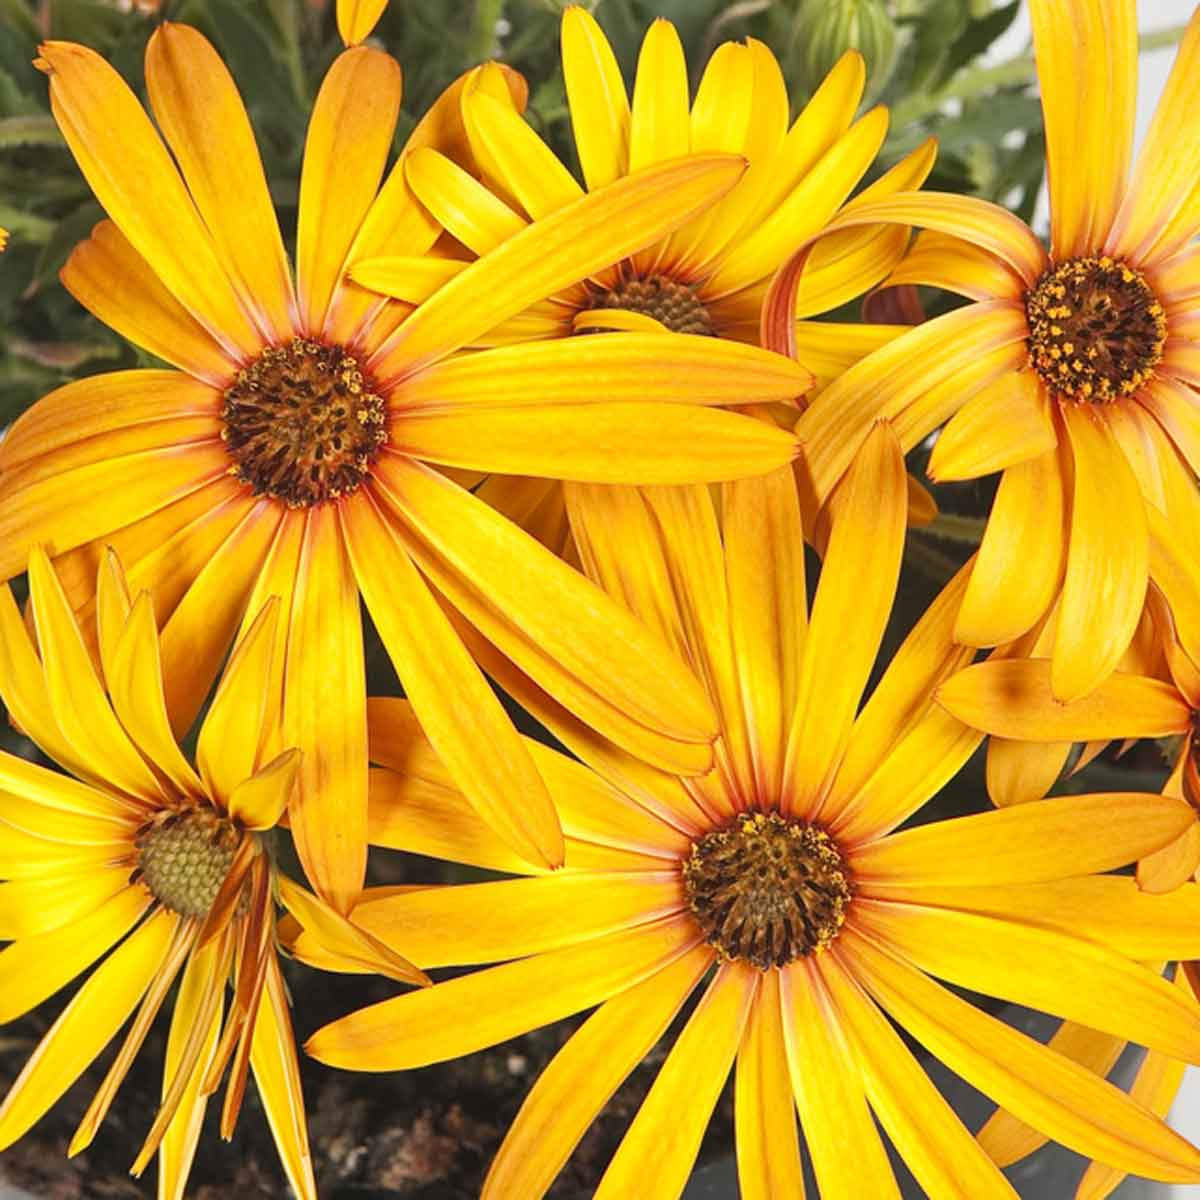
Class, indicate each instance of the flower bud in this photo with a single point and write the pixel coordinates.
(826, 29)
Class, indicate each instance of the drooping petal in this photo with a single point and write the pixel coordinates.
(1018, 570)
(584, 1074)
(93, 1017)
(1018, 772)
(660, 1147)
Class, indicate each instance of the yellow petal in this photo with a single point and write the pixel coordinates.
(930, 1137)
(349, 135)
(659, 127)
(596, 98)
(1052, 1093)
(1080, 980)
(49, 901)
(1018, 570)
(490, 1006)
(88, 1023)
(659, 1149)
(768, 613)
(36, 967)
(28, 856)
(115, 283)
(1008, 422)
(1013, 698)
(80, 706)
(136, 687)
(1173, 864)
(135, 180)
(622, 443)
(227, 749)
(260, 801)
(324, 713)
(1018, 772)
(513, 918)
(557, 610)
(484, 754)
(859, 576)
(344, 936)
(1167, 165)
(356, 19)
(561, 249)
(200, 113)
(277, 1073)
(764, 1113)
(944, 261)
(842, 1139)
(1107, 561)
(1007, 1140)
(571, 1091)
(1068, 835)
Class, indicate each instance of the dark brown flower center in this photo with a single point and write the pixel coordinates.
(767, 889)
(671, 304)
(303, 423)
(183, 859)
(1096, 329)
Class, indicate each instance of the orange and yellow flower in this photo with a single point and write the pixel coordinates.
(781, 874)
(301, 448)
(1073, 373)
(165, 868)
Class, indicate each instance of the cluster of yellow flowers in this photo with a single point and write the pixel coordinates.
(409, 422)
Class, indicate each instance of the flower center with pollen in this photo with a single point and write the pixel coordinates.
(767, 889)
(303, 423)
(1096, 329)
(184, 858)
(671, 304)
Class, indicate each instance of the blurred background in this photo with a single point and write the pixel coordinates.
(960, 69)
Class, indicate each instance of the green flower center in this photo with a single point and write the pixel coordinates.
(767, 889)
(1096, 329)
(671, 304)
(185, 857)
(303, 423)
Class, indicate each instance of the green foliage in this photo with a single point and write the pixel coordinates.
(927, 53)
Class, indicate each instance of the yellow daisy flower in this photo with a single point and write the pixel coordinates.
(781, 873)
(164, 867)
(3, 239)
(356, 19)
(708, 277)
(1073, 373)
(297, 451)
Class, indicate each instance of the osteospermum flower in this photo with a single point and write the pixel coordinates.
(297, 451)
(708, 277)
(164, 867)
(781, 874)
(1072, 372)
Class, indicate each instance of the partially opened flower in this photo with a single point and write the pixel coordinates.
(165, 868)
(709, 276)
(774, 887)
(1072, 372)
(297, 452)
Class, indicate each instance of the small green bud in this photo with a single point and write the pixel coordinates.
(826, 29)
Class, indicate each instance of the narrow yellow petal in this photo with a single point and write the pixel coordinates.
(596, 98)
(261, 800)
(356, 19)
(659, 127)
